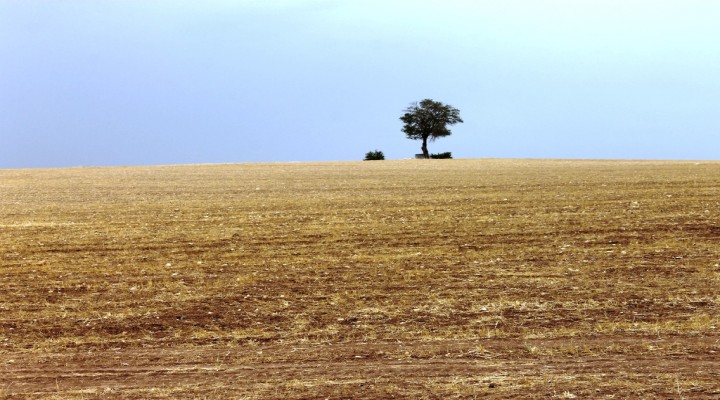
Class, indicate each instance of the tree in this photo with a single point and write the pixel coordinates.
(429, 119)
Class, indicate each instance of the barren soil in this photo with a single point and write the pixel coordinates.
(393, 279)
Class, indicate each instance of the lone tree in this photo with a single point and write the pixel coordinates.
(429, 119)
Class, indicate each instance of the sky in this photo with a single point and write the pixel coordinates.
(147, 82)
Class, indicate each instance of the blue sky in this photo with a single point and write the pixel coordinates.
(138, 82)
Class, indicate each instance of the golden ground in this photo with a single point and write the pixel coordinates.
(404, 279)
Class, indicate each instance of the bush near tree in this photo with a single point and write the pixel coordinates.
(374, 155)
(446, 154)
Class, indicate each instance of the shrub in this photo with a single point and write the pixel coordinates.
(446, 154)
(374, 155)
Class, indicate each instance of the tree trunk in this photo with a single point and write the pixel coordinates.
(424, 147)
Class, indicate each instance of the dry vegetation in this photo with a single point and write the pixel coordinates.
(405, 279)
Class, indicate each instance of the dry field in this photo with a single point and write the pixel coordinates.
(388, 279)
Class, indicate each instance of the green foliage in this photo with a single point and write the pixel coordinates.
(429, 119)
(446, 154)
(374, 155)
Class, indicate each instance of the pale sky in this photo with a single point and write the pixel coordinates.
(140, 82)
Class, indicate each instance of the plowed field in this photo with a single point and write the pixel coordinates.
(386, 279)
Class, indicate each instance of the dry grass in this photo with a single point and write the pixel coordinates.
(412, 279)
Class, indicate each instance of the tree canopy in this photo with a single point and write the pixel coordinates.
(429, 119)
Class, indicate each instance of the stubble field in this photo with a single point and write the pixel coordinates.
(394, 279)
